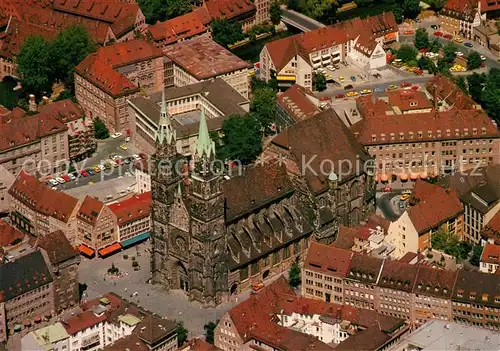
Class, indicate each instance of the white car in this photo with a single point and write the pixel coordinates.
(113, 163)
(116, 135)
(483, 58)
(71, 176)
(330, 67)
(459, 53)
(101, 167)
(127, 139)
(60, 180)
(53, 182)
(136, 157)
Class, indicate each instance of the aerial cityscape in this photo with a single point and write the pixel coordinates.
(204, 175)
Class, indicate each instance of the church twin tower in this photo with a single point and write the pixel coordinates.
(188, 237)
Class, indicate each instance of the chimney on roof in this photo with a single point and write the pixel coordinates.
(32, 103)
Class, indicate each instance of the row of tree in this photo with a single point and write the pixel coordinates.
(43, 62)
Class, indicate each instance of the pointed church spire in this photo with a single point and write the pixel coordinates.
(205, 146)
(165, 132)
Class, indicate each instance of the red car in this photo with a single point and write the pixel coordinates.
(448, 36)
(405, 85)
(438, 34)
(418, 71)
(424, 50)
(324, 98)
(84, 173)
(66, 178)
(118, 161)
(339, 96)
(408, 32)
(415, 87)
(387, 189)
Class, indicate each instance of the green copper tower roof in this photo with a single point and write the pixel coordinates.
(205, 146)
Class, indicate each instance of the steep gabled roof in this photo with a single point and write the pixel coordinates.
(132, 209)
(328, 260)
(57, 246)
(182, 27)
(90, 209)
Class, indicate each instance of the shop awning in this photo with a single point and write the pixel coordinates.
(423, 175)
(286, 78)
(110, 249)
(414, 176)
(135, 239)
(384, 178)
(403, 177)
(86, 250)
(377, 178)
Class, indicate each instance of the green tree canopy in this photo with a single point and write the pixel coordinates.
(411, 8)
(474, 60)
(421, 39)
(100, 129)
(461, 83)
(160, 10)
(294, 278)
(241, 139)
(71, 46)
(407, 53)
(35, 65)
(263, 106)
(450, 244)
(182, 333)
(477, 251)
(275, 12)
(226, 32)
(209, 331)
(436, 5)
(476, 83)
(319, 81)
(434, 45)
(293, 4)
(450, 50)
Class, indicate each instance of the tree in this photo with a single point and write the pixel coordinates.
(35, 66)
(434, 46)
(100, 129)
(160, 10)
(450, 50)
(443, 66)
(477, 251)
(411, 8)
(275, 12)
(209, 331)
(461, 83)
(476, 83)
(294, 275)
(263, 106)
(407, 53)
(71, 46)
(182, 334)
(319, 81)
(398, 13)
(226, 32)
(330, 13)
(427, 64)
(293, 4)
(421, 39)
(474, 60)
(317, 9)
(364, 3)
(241, 140)
(436, 5)
(450, 244)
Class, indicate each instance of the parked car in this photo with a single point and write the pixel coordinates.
(66, 178)
(127, 139)
(101, 167)
(448, 36)
(107, 165)
(469, 44)
(458, 39)
(401, 204)
(438, 34)
(366, 91)
(324, 98)
(52, 182)
(341, 79)
(348, 87)
(353, 78)
(387, 189)
(96, 169)
(392, 87)
(415, 87)
(123, 146)
(404, 197)
(90, 171)
(405, 85)
(435, 27)
(352, 93)
(126, 160)
(408, 32)
(76, 174)
(257, 286)
(483, 57)
(60, 180)
(118, 161)
(459, 53)
(378, 90)
(136, 157)
(84, 173)
(71, 176)
(116, 135)
(339, 96)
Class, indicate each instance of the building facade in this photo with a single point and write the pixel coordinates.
(490, 259)
(142, 177)
(52, 337)
(105, 79)
(460, 17)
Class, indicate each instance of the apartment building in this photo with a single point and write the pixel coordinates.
(432, 208)
(38, 210)
(52, 337)
(105, 23)
(62, 261)
(133, 218)
(97, 228)
(479, 192)
(455, 135)
(490, 259)
(295, 105)
(292, 60)
(105, 79)
(475, 299)
(81, 139)
(460, 17)
(491, 230)
(27, 293)
(246, 12)
(113, 323)
(414, 292)
(35, 143)
(142, 176)
(201, 59)
(324, 270)
(216, 99)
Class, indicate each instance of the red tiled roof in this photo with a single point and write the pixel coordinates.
(398, 276)
(489, 5)
(328, 259)
(409, 257)
(345, 237)
(64, 110)
(296, 103)
(34, 194)
(82, 321)
(491, 254)
(90, 209)
(132, 209)
(407, 100)
(492, 229)
(203, 58)
(228, 9)
(446, 89)
(182, 27)
(434, 282)
(461, 5)
(57, 246)
(17, 128)
(365, 268)
(9, 234)
(200, 345)
(434, 206)
(128, 52)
